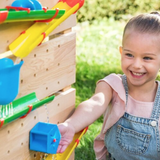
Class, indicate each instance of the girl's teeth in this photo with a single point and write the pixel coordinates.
(137, 74)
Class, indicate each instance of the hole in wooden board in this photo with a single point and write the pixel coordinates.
(59, 46)
(8, 131)
(21, 124)
(58, 104)
(46, 69)
(35, 75)
(35, 117)
(46, 88)
(22, 144)
(35, 155)
(21, 81)
(58, 64)
(8, 151)
(47, 50)
(7, 41)
(35, 55)
(58, 82)
(58, 122)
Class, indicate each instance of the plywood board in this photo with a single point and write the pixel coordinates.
(50, 67)
(14, 137)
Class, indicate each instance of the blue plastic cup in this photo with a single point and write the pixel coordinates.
(9, 80)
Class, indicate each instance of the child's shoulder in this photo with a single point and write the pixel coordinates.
(113, 77)
(114, 80)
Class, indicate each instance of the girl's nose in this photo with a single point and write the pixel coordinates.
(137, 63)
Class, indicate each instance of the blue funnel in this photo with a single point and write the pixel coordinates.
(9, 80)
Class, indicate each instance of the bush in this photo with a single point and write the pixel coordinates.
(95, 9)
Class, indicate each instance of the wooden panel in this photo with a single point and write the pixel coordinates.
(50, 67)
(11, 31)
(15, 136)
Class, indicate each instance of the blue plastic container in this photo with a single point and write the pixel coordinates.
(45, 137)
(32, 4)
(9, 80)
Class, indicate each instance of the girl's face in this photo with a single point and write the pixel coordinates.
(140, 57)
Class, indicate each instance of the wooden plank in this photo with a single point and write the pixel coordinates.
(14, 137)
(50, 67)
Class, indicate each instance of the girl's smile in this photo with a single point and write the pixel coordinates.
(137, 74)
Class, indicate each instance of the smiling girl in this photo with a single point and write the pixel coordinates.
(130, 102)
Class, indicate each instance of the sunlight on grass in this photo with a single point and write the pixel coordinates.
(97, 56)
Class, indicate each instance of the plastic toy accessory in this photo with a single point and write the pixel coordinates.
(9, 80)
(25, 14)
(67, 153)
(45, 137)
(21, 107)
(32, 4)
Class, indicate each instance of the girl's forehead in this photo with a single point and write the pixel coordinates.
(142, 42)
(132, 34)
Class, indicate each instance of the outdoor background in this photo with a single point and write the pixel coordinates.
(99, 30)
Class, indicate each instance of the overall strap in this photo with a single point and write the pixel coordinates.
(125, 85)
(156, 106)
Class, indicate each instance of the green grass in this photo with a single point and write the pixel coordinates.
(97, 56)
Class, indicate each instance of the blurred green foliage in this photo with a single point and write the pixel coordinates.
(119, 9)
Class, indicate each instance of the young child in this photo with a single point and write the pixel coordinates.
(130, 102)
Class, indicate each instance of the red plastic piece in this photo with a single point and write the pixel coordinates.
(2, 122)
(72, 3)
(84, 129)
(18, 8)
(23, 32)
(54, 140)
(44, 36)
(3, 16)
(77, 141)
(48, 20)
(30, 109)
(45, 9)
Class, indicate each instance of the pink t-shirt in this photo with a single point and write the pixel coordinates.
(116, 110)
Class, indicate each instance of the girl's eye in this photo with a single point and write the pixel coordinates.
(147, 58)
(129, 55)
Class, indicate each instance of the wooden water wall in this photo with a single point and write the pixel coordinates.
(48, 69)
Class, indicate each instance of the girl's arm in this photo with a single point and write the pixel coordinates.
(85, 114)
(90, 110)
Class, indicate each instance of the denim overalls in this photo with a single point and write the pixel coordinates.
(135, 138)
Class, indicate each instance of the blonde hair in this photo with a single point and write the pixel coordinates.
(145, 23)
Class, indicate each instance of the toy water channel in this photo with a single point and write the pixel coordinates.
(28, 10)
(21, 107)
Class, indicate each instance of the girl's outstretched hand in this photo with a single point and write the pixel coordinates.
(67, 134)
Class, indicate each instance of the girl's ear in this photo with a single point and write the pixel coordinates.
(120, 50)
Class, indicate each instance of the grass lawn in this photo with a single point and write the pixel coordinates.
(97, 56)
